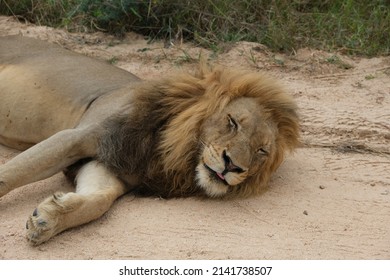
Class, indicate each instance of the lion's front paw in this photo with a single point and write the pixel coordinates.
(45, 221)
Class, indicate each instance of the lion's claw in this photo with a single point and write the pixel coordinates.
(39, 230)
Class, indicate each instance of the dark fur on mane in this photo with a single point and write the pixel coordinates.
(158, 139)
(131, 142)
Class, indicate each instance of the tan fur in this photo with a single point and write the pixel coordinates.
(218, 132)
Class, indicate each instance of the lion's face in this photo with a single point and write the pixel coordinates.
(235, 144)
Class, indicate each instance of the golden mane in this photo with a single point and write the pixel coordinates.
(181, 104)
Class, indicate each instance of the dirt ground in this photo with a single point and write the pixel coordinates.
(329, 200)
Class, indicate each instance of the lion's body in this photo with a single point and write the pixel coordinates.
(219, 133)
(38, 94)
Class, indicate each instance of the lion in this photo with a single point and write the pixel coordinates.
(218, 132)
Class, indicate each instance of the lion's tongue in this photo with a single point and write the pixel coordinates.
(220, 176)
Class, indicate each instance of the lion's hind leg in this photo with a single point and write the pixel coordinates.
(96, 190)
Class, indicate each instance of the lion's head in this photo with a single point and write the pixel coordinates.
(221, 132)
(236, 142)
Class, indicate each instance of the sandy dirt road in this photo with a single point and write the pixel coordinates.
(329, 200)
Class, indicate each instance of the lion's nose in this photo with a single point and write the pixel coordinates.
(229, 165)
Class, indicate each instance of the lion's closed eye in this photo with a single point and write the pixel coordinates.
(263, 151)
(232, 123)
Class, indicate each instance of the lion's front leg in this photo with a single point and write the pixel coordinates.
(97, 188)
(46, 158)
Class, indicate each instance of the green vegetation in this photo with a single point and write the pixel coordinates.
(352, 26)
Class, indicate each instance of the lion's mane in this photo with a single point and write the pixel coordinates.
(158, 138)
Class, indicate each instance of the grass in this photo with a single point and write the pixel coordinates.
(359, 27)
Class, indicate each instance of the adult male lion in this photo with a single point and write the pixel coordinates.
(220, 133)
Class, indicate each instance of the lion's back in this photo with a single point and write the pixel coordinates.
(45, 88)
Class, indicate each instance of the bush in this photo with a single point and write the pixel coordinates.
(353, 26)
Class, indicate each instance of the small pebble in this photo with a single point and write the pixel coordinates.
(305, 213)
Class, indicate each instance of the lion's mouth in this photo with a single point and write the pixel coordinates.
(216, 175)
